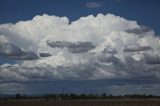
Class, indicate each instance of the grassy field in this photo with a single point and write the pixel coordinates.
(146, 102)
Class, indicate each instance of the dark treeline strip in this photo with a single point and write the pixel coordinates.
(71, 96)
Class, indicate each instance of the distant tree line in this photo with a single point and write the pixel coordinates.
(72, 96)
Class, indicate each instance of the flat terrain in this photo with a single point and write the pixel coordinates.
(150, 102)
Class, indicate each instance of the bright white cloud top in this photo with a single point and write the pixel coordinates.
(93, 47)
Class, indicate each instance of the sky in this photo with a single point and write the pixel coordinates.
(145, 12)
(80, 46)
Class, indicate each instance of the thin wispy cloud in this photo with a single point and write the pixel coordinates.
(93, 5)
(100, 4)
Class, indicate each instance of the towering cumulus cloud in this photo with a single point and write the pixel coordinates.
(49, 48)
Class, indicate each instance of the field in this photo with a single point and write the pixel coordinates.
(144, 102)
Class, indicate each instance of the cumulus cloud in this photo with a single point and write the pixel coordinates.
(93, 5)
(92, 47)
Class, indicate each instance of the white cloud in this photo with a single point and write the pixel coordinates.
(107, 33)
(93, 5)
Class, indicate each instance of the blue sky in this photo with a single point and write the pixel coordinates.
(94, 53)
(145, 12)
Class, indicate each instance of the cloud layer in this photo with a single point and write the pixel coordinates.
(92, 47)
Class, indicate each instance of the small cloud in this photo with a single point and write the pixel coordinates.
(73, 47)
(100, 4)
(93, 5)
(135, 47)
(45, 54)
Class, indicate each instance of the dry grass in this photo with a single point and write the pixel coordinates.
(153, 102)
